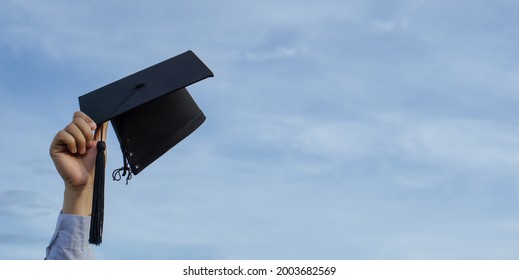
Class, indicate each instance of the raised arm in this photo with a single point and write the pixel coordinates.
(73, 151)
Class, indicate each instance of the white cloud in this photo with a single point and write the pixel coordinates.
(386, 26)
(482, 144)
(279, 53)
(350, 113)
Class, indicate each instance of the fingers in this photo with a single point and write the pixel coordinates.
(64, 138)
(78, 136)
(87, 119)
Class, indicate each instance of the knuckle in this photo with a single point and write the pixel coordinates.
(71, 128)
(77, 120)
(63, 136)
(78, 114)
(67, 128)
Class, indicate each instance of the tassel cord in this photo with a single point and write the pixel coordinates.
(126, 171)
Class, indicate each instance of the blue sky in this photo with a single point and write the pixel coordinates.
(335, 129)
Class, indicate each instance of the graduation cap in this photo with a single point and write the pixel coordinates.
(151, 111)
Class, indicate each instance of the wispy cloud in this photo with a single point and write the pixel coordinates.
(364, 129)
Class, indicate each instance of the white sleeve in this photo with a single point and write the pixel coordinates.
(70, 239)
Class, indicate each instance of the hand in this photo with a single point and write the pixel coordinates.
(73, 152)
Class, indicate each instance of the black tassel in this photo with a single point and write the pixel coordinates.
(98, 201)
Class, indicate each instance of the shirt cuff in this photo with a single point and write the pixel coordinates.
(74, 230)
(70, 240)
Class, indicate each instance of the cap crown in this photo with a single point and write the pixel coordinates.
(151, 110)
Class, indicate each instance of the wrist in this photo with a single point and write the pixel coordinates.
(77, 201)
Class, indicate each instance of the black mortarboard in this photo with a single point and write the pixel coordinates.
(151, 111)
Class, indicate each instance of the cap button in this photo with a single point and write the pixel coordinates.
(140, 84)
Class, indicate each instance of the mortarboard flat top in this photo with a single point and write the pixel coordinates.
(109, 101)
